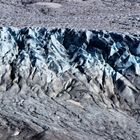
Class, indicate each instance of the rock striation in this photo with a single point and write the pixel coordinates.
(68, 84)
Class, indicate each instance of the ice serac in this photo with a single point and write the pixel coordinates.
(67, 84)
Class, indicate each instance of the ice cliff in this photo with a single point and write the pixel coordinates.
(81, 84)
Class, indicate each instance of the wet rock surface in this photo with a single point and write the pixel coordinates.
(69, 85)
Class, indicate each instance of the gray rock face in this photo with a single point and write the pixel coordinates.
(67, 84)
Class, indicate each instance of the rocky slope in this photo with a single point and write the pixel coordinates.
(63, 84)
(112, 15)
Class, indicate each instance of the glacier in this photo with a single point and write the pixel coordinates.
(71, 82)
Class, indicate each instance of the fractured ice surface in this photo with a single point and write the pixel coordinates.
(56, 70)
(61, 50)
